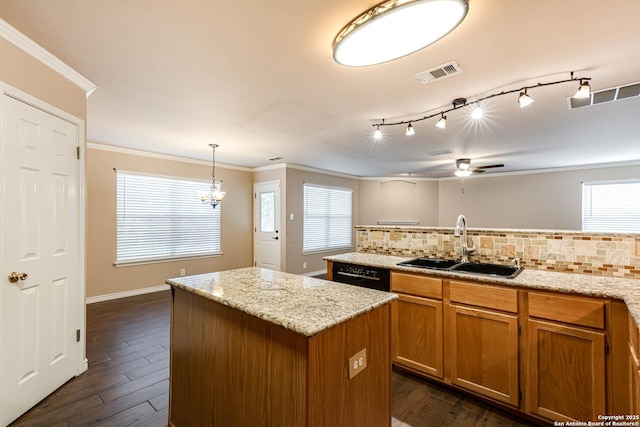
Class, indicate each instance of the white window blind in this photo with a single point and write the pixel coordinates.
(327, 218)
(162, 218)
(611, 207)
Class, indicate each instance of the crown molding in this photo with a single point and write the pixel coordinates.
(132, 152)
(33, 49)
(321, 171)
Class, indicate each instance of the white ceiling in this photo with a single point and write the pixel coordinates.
(258, 78)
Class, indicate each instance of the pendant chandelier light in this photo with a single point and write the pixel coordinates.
(215, 196)
(396, 28)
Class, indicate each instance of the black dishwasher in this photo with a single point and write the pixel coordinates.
(360, 275)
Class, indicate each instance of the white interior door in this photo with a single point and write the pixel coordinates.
(39, 312)
(266, 221)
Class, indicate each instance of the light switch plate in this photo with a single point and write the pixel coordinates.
(357, 363)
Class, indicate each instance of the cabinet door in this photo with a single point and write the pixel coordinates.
(634, 380)
(566, 371)
(483, 352)
(416, 334)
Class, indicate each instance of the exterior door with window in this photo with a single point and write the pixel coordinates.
(40, 256)
(267, 236)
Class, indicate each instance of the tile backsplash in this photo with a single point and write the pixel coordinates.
(616, 255)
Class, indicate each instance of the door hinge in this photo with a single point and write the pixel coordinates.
(519, 395)
(78, 152)
(606, 348)
(519, 329)
(77, 335)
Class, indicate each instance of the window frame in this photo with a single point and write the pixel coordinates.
(616, 223)
(344, 246)
(217, 221)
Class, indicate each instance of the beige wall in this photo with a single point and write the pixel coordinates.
(549, 200)
(294, 190)
(397, 200)
(31, 76)
(103, 278)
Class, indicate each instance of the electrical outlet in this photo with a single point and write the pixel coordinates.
(357, 363)
(291, 217)
(396, 235)
(304, 264)
(182, 272)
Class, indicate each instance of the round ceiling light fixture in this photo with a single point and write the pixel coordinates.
(396, 28)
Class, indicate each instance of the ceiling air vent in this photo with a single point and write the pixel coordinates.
(607, 95)
(440, 72)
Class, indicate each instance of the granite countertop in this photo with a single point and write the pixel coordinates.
(627, 290)
(305, 305)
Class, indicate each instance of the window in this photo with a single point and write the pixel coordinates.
(327, 218)
(162, 218)
(611, 206)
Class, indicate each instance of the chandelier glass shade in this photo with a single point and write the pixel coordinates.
(396, 28)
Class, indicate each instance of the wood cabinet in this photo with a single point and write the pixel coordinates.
(566, 357)
(229, 368)
(634, 367)
(481, 326)
(416, 324)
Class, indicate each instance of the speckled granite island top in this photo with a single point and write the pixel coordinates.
(627, 290)
(305, 305)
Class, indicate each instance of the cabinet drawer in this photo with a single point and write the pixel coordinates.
(568, 309)
(484, 296)
(416, 284)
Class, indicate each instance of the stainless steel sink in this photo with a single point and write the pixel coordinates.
(481, 268)
(434, 263)
(506, 271)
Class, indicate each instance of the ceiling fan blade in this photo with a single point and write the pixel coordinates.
(498, 165)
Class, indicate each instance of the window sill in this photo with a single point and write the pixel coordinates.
(320, 251)
(134, 262)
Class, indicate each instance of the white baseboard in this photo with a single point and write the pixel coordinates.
(117, 295)
(314, 273)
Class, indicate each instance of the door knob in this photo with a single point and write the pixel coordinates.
(275, 238)
(15, 276)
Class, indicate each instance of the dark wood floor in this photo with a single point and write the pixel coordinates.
(127, 383)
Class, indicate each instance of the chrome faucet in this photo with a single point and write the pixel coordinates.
(462, 223)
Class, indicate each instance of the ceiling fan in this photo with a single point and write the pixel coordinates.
(464, 169)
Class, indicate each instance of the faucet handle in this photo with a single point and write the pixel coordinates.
(516, 262)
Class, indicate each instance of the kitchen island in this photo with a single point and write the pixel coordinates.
(258, 347)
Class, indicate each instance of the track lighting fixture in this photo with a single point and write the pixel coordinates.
(524, 99)
(378, 133)
(410, 130)
(477, 113)
(584, 91)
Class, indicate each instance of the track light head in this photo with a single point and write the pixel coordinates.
(584, 90)
(410, 130)
(442, 123)
(378, 133)
(524, 99)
